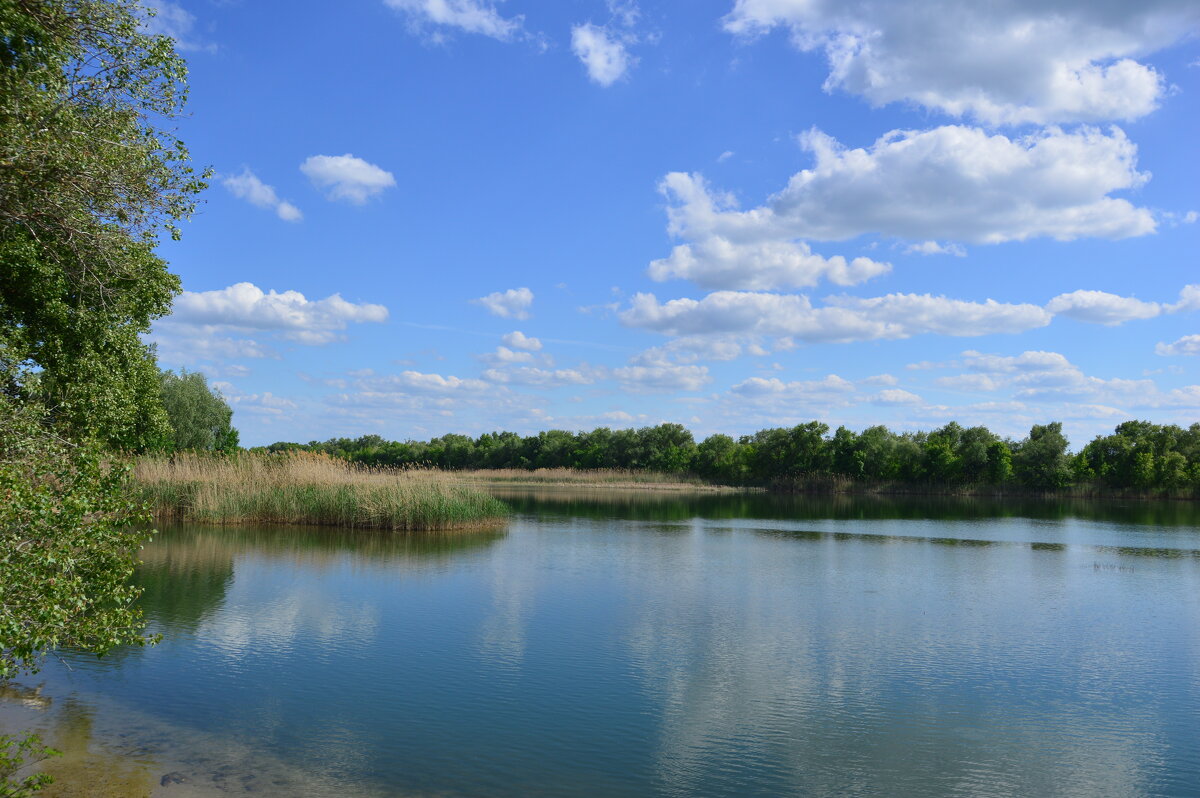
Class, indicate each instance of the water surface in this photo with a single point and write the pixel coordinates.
(631, 645)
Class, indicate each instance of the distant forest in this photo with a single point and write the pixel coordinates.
(1137, 457)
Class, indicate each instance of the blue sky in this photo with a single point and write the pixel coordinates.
(437, 216)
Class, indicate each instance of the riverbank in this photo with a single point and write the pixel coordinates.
(832, 484)
(309, 488)
(596, 479)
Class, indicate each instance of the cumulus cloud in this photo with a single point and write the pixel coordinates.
(1189, 299)
(896, 396)
(934, 248)
(511, 304)
(1100, 307)
(417, 382)
(694, 348)
(1187, 345)
(265, 403)
(756, 387)
(504, 356)
(344, 177)
(951, 183)
(518, 340)
(245, 307)
(539, 377)
(1007, 62)
(471, 16)
(842, 320)
(664, 377)
(718, 262)
(602, 52)
(1040, 376)
(249, 187)
(183, 345)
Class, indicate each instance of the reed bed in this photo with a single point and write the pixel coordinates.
(309, 488)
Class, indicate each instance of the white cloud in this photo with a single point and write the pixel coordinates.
(539, 377)
(173, 20)
(896, 396)
(717, 262)
(511, 304)
(249, 187)
(1100, 307)
(265, 403)
(934, 248)
(518, 340)
(602, 52)
(756, 387)
(693, 348)
(968, 382)
(624, 12)
(1189, 299)
(471, 16)
(417, 382)
(344, 177)
(662, 377)
(1187, 345)
(246, 307)
(842, 320)
(185, 345)
(881, 379)
(504, 356)
(1040, 376)
(1008, 62)
(950, 183)
(1027, 362)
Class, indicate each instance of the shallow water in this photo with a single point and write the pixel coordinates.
(655, 645)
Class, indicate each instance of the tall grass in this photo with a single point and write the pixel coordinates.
(309, 488)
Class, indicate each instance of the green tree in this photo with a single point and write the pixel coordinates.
(199, 416)
(69, 532)
(1041, 459)
(669, 447)
(999, 467)
(720, 458)
(88, 178)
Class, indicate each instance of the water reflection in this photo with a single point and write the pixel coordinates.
(674, 646)
(649, 505)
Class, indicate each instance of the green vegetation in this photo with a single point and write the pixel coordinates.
(309, 488)
(16, 754)
(1139, 458)
(69, 542)
(199, 417)
(87, 179)
(89, 176)
(587, 478)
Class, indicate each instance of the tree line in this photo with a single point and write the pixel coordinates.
(1138, 455)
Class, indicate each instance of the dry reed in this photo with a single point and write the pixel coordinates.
(309, 488)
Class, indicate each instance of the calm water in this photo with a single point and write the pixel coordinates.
(656, 646)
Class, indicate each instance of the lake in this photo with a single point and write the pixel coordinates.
(655, 645)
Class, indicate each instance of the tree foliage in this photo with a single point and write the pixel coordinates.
(89, 176)
(1139, 455)
(68, 537)
(199, 416)
(17, 754)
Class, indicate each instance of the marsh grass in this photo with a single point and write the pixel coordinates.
(309, 488)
